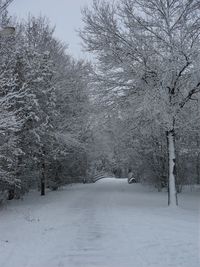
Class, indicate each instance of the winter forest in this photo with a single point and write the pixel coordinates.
(132, 109)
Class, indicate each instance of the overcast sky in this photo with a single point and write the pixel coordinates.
(65, 14)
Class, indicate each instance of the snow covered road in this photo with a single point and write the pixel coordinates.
(106, 224)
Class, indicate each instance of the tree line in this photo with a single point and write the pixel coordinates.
(44, 106)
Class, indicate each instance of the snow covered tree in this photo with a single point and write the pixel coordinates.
(44, 110)
(57, 114)
(74, 106)
(35, 71)
(10, 122)
(150, 48)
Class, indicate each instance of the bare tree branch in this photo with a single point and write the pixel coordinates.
(190, 94)
(4, 5)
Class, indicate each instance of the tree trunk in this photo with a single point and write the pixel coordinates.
(198, 162)
(43, 180)
(198, 168)
(172, 194)
(42, 186)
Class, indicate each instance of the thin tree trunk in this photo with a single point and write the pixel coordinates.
(42, 188)
(198, 162)
(172, 194)
(43, 180)
(198, 168)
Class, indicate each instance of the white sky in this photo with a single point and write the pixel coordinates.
(65, 14)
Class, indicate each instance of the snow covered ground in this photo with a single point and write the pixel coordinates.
(106, 224)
